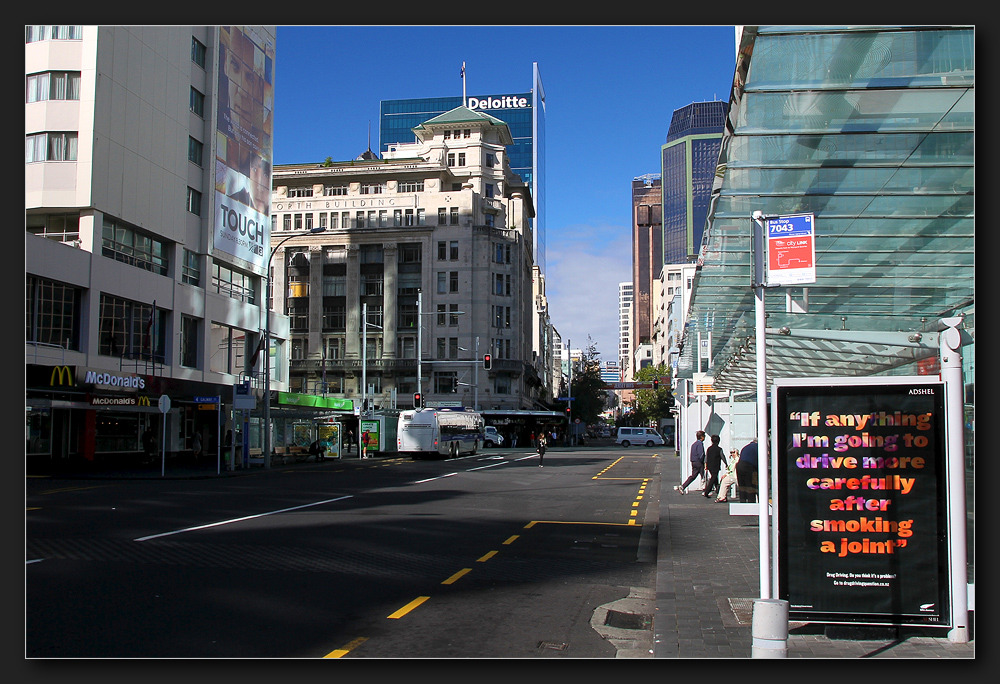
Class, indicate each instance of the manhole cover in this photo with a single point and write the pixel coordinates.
(620, 620)
(739, 608)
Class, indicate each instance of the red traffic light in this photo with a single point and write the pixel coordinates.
(487, 361)
(416, 400)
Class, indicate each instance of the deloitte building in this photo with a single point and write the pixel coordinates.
(524, 114)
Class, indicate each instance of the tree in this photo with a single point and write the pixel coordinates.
(587, 388)
(649, 405)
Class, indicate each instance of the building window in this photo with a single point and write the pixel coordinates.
(298, 317)
(300, 192)
(442, 282)
(442, 216)
(453, 216)
(445, 382)
(453, 281)
(298, 221)
(461, 158)
(453, 318)
(421, 217)
(502, 383)
(489, 190)
(372, 188)
(408, 217)
(196, 151)
(52, 313)
(359, 219)
(491, 160)
(52, 85)
(497, 284)
(406, 317)
(440, 348)
(371, 285)
(334, 285)
(334, 189)
(383, 218)
(197, 102)
(441, 313)
(198, 52)
(194, 201)
(468, 132)
(334, 318)
(128, 245)
(233, 283)
(451, 159)
(442, 250)
(57, 227)
(453, 250)
(410, 186)
(300, 348)
(409, 253)
(50, 147)
(322, 219)
(34, 34)
(191, 268)
(190, 333)
(370, 254)
(309, 221)
(130, 329)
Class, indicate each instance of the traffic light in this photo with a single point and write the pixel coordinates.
(487, 361)
(656, 384)
(416, 400)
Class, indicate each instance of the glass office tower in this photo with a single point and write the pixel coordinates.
(689, 160)
(524, 114)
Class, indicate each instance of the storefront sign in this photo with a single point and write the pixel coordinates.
(861, 500)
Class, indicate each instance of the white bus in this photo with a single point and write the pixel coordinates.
(437, 432)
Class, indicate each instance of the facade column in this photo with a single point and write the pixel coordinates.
(352, 339)
(315, 345)
(390, 269)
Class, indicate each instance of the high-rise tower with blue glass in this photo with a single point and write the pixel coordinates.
(689, 159)
(524, 114)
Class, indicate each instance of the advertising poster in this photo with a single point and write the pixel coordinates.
(241, 223)
(372, 426)
(861, 501)
(791, 250)
(329, 436)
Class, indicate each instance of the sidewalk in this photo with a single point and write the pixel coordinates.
(708, 577)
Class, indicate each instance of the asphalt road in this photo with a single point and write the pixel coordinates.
(488, 556)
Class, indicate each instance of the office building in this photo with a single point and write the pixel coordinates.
(146, 156)
(647, 255)
(524, 114)
(624, 329)
(424, 266)
(688, 165)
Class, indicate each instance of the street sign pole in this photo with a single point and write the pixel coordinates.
(164, 405)
(763, 490)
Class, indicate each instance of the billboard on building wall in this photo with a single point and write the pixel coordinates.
(241, 219)
(861, 500)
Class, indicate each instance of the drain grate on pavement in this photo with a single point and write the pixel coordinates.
(736, 612)
(621, 620)
(553, 645)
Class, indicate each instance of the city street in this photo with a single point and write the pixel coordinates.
(477, 557)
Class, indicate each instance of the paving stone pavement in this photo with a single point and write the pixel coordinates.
(708, 577)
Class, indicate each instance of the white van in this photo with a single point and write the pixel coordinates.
(493, 438)
(628, 436)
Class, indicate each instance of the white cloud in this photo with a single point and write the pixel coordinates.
(584, 265)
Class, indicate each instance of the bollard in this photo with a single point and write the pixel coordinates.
(770, 628)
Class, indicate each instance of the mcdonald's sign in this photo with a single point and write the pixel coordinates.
(61, 375)
(142, 400)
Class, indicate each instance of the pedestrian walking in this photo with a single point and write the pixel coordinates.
(365, 439)
(196, 446)
(697, 458)
(714, 458)
(349, 440)
(746, 473)
(541, 448)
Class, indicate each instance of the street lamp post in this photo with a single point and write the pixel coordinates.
(267, 347)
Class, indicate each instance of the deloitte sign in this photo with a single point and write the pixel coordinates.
(501, 102)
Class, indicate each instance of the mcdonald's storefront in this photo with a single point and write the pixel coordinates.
(75, 413)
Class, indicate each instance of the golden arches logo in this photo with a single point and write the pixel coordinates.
(64, 375)
(142, 400)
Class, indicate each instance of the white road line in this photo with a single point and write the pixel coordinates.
(491, 465)
(431, 479)
(37, 560)
(248, 517)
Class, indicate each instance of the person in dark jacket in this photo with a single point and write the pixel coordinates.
(746, 473)
(714, 458)
(697, 458)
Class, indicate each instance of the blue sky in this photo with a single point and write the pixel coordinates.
(610, 93)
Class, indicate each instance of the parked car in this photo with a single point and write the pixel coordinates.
(493, 438)
(628, 436)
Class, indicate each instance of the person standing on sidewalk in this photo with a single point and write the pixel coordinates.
(542, 441)
(697, 458)
(365, 438)
(714, 458)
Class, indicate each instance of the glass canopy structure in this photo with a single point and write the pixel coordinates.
(872, 130)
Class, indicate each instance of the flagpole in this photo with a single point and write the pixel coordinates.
(464, 100)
